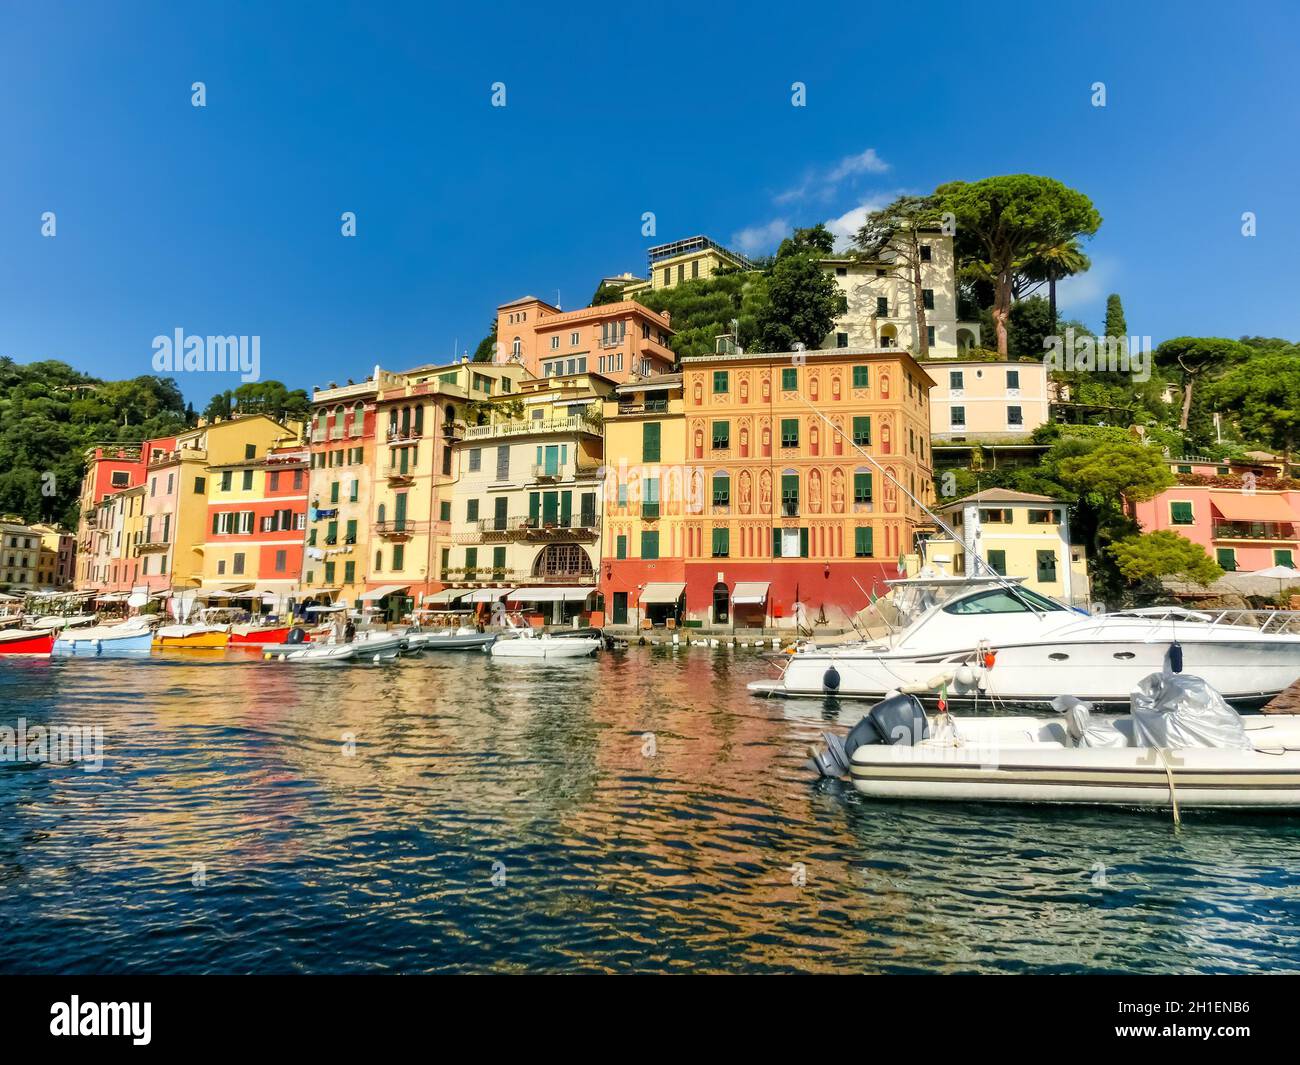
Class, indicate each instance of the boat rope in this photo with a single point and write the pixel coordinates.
(1011, 586)
(1173, 792)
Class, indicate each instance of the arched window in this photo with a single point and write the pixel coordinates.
(515, 348)
(382, 511)
(358, 418)
(379, 561)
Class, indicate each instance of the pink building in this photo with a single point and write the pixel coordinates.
(621, 341)
(1246, 523)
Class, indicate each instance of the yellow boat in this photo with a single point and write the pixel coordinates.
(203, 637)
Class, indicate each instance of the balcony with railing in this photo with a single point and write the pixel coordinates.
(150, 547)
(400, 529)
(396, 473)
(582, 528)
(397, 434)
(1255, 530)
(650, 406)
(575, 423)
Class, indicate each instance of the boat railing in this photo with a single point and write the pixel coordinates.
(1278, 621)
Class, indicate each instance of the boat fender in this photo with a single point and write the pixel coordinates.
(1175, 657)
(990, 659)
(831, 679)
(965, 675)
(297, 634)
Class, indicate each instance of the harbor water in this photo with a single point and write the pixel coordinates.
(635, 812)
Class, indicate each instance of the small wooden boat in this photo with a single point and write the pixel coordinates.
(528, 645)
(105, 641)
(318, 654)
(186, 637)
(31, 643)
(258, 634)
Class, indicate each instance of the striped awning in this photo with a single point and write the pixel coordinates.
(662, 592)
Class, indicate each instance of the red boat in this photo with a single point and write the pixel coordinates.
(246, 634)
(33, 642)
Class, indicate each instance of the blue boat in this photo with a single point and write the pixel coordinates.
(103, 641)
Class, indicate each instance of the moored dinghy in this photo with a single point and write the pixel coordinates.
(316, 654)
(1182, 746)
(461, 639)
(28, 643)
(200, 637)
(106, 641)
(546, 646)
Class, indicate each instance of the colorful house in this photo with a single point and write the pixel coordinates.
(691, 259)
(1018, 534)
(619, 341)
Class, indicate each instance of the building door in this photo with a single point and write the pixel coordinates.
(721, 604)
(620, 608)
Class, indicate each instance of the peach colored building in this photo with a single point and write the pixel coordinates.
(621, 341)
(978, 401)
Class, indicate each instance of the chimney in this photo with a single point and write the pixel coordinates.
(668, 316)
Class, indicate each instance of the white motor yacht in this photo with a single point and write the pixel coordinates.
(989, 640)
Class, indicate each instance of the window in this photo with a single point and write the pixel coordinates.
(200, 485)
(399, 556)
(1013, 379)
(650, 497)
(471, 510)
(957, 417)
(120, 479)
(862, 486)
(250, 451)
(503, 462)
(841, 340)
(281, 561)
(1042, 517)
(956, 380)
(1184, 469)
(620, 547)
(227, 479)
(789, 494)
(927, 298)
(929, 335)
(721, 435)
(998, 562)
(790, 543)
(721, 382)
(882, 306)
(721, 543)
(1047, 567)
(1181, 514)
(239, 562)
(650, 433)
(789, 379)
(444, 510)
(695, 268)
(721, 490)
(1282, 556)
(1003, 601)
(248, 480)
(475, 459)
(862, 430)
(862, 543)
(650, 544)
(349, 572)
(862, 377)
(925, 253)
(1226, 557)
(498, 559)
(789, 432)
(1014, 417)
(555, 343)
(996, 517)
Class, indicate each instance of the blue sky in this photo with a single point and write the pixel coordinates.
(226, 219)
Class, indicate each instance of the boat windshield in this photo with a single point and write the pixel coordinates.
(1002, 601)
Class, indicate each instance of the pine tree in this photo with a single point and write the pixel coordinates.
(1115, 324)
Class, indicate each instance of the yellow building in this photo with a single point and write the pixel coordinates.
(56, 564)
(526, 506)
(648, 493)
(692, 259)
(1019, 535)
(20, 549)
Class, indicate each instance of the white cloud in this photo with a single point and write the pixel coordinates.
(757, 240)
(824, 182)
(1086, 289)
(845, 227)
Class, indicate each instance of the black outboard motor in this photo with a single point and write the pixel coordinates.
(297, 634)
(900, 719)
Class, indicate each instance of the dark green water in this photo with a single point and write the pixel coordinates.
(505, 817)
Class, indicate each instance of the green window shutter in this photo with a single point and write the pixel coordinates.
(862, 430)
(803, 543)
(334, 492)
(534, 506)
(789, 432)
(790, 493)
(862, 488)
(356, 490)
(471, 558)
(998, 562)
(650, 442)
(1180, 513)
(498, 558)
(352, 529)
(620, 550)
(329, 572)
(649, 545)
(1226, 557)
(721, 434)
(721, 543)
(861, 376)
(349, 572)
(776, 543)
(789, 379)
(721, 383)
(1281, 557)
(862, 542)
(566, 509)
(214, 522)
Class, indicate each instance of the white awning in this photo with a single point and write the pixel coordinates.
(749, 592)
(662, 592)
(447, 595)
(113, 597)
(486, 595)
(551, 595)
(379, 593)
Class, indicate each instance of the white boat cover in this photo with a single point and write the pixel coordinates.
(1179, 710)
(1080, 727)
(662, 592)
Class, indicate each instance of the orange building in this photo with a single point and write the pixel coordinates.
(793, 511)
(617, 340)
